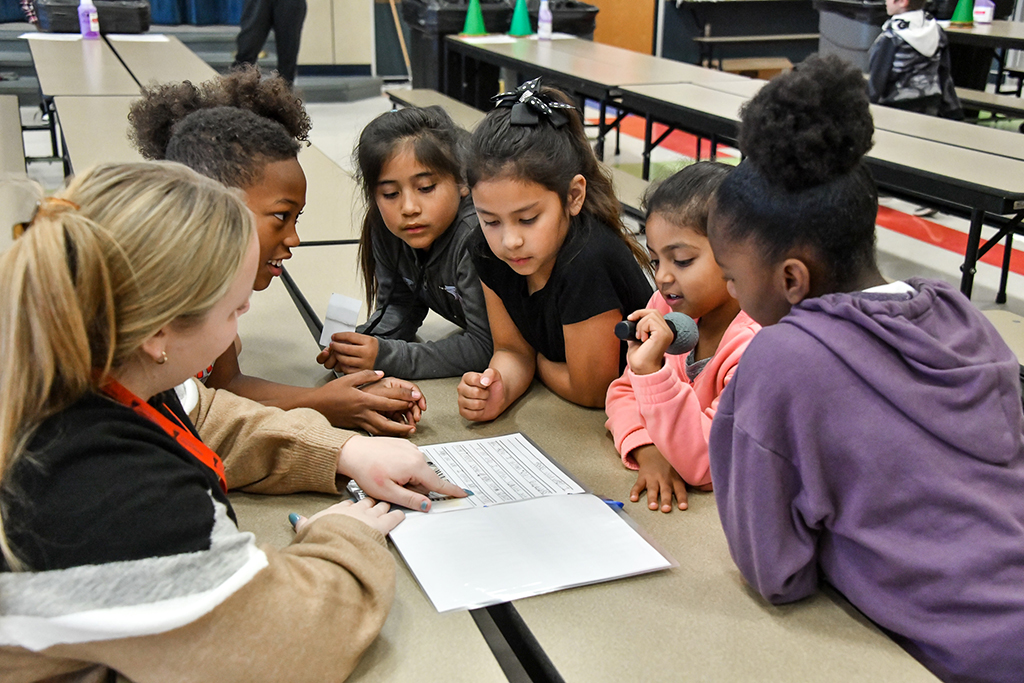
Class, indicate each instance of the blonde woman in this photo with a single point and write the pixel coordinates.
(119, 545)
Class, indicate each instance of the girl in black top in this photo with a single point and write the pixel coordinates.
(558, 268)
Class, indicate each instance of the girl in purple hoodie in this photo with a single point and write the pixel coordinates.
(871, 437)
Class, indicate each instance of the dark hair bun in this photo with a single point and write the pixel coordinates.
(808, 126)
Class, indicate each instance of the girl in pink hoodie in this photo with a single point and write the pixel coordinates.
(660, 410)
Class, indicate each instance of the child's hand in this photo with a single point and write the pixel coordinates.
(349, 352)
(352, 402)
(367, 511)
(403, 390)
(659, 478)
(648, 355)
(392, 470)
(481, 395)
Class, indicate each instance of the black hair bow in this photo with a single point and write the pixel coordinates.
(528, 104)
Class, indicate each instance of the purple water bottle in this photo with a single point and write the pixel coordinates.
(88, 20)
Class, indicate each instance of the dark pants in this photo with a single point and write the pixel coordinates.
(285, 17)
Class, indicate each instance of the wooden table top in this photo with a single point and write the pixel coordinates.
(153, 58)
(96, 129)
(79, 67)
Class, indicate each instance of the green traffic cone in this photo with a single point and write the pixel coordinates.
(520, 21)
(963, 15)
(474, 25)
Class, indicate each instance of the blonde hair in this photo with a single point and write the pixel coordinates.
(120, 253)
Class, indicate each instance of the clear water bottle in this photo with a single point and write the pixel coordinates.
(88, 20)
(544, 21)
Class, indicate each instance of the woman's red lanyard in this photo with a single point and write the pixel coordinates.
(178, 432)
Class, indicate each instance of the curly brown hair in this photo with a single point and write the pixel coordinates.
(227, 128)
(803, 182)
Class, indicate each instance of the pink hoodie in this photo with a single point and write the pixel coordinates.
(666, 410)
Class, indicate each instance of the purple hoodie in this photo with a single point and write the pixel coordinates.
(875, 441)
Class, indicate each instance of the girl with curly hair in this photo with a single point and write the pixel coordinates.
(245, 131)
(872, 436)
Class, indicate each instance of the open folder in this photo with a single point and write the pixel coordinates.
(529, 529)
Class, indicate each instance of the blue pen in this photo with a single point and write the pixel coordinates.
(616, 504)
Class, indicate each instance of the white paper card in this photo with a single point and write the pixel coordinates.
(496, 554)
(342, 316)
(139, 37)
(56, 37)
(554, 36)
(497, 470)
(496, 39)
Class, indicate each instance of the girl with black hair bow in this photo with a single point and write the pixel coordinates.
(558, 268)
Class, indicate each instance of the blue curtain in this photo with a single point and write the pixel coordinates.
(10, 10)
(164, 12)
(198, 12)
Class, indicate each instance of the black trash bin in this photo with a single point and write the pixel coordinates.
(567, 16)
(431, 20)
(848, 28)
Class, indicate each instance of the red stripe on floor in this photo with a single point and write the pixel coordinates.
(919, 228)
(677, 141)
(938, 235)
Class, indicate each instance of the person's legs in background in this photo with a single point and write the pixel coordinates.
(257, 20)
(288, 18)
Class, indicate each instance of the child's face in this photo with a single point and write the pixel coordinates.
(416, 203)
(755, 283)
(686, 273)
(276, 199)
(525, 223)
(893, 7)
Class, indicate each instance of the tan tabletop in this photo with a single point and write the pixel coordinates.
(96, 129)
(153, 58)
(923, 166)
(997, 34)
(12, 143)
(957, 133)
(701, 618)
(1011, 328)
(322, 270)
(79, 67)
(416, 641)
(583, 63)
(464, 115)
(333, 204)
(644, 68)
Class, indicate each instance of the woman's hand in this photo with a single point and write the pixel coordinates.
(659, 478)
(648, 355)
(349, 352)
(481, 395)
(367, 511)
(393, 470)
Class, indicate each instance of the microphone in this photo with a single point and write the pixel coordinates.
(684, 332)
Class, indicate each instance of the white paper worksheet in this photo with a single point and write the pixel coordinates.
(529, 529)
(497, 470)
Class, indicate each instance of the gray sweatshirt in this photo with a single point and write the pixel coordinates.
(411, 282)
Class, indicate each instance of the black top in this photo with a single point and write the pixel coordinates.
(595, 272)
(100, 483)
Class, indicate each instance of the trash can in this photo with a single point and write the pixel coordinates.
(567, 16)
(431, 20)
(848, 28)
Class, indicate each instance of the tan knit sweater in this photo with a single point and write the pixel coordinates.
(308, 615)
